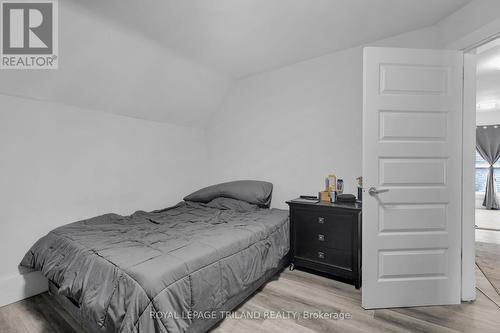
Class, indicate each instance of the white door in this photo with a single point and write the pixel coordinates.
(412, 162)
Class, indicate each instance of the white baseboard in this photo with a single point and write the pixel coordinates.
(21, 286)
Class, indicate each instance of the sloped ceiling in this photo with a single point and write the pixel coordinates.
(242, 37)
(106, 67)
(174, 60)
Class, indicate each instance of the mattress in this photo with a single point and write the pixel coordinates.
(171, 270)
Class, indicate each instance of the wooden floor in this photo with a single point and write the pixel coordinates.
(300, 291)
(295, 291)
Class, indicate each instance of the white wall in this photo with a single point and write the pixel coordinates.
(60, 164)
(488, 117)
(294, 125)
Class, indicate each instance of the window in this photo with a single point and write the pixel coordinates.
(482, 173)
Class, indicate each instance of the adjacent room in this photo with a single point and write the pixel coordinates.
(249, 166)
(487, 143)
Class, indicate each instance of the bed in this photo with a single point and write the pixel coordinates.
(178, 269)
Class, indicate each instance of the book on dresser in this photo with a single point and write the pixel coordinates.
(326, 237)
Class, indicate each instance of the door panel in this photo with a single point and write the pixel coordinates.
(401, 218)
(400, 264)
(414, 125)
(414, 171)
(412, 120)
(413, 79)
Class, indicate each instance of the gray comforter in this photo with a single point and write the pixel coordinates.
(150, 272)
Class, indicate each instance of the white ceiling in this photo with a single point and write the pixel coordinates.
(242, 37)
(174, 60)
(488, 75)
(488, 82)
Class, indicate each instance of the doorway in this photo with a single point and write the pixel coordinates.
(416, 98)
(487, 167)
(481, 188)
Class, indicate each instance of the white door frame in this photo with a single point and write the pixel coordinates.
(468, 284)
(467, 43)
(468, 175)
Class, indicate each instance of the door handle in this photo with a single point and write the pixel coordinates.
(374, 191)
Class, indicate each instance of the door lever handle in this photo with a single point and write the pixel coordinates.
(374, 191)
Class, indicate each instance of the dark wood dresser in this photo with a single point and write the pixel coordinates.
(326, 237)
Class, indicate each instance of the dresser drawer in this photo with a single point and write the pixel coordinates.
(324, 229)
(326, 237)
(325, 255)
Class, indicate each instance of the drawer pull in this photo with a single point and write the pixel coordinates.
(321, 255)
(321, 220)
(321, 238)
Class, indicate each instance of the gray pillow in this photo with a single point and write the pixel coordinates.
(252, 191)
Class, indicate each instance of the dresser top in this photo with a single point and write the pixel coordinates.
(354, 206)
